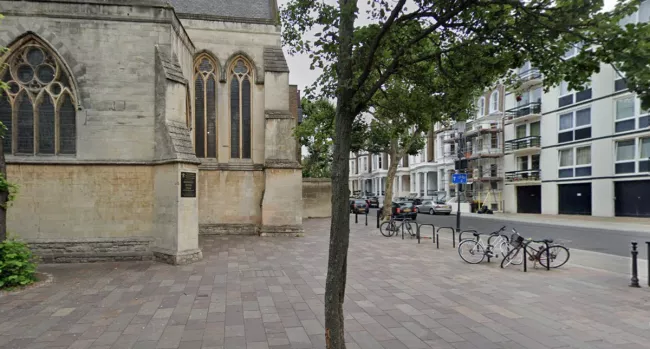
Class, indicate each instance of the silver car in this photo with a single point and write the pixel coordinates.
(432, 207)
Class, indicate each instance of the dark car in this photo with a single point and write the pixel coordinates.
(358, 206)
(373, 201)
(400, 210)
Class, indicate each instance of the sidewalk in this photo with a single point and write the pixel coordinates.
(267, 293)
(614, 223)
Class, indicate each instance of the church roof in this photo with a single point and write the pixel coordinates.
(255, 10)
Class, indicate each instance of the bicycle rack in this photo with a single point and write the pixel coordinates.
(548, 254)
(433, 232)
(453, 234)
(404, 221)
(460, 236)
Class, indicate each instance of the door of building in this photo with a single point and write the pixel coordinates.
(574, 199)
(529, 199)
(632, 198)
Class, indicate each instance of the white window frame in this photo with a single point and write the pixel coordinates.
(480, 112)
(574, 120)
(574, 154)
(637, 154)
(637, 115)
(496, 108)
(574, 51)
(568, 91)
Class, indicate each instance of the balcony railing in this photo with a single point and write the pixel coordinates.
(523, 176)
(530, 74)
(525, 110)
(523, 143)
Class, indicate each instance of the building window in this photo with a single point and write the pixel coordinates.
(379, 161)
(480, 107)
(205, 106)
(620, 83)
(38, 108)
(629, 152)
(494, 102)
(568, 97)
(574, 162)
(240, 109)
(626, 115)
(573, 51)
(575, 125)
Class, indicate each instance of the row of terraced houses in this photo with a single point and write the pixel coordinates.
(528, 151)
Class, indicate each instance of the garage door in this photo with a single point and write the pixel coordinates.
(529, 199)
(632, 198)
(574, 198)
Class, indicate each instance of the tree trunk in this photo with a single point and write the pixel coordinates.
(4, 195)
(340, 225)
(395, 158)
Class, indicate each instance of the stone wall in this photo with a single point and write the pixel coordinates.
(83, 213)
(110, 55)
(316, 197)
(230, 201)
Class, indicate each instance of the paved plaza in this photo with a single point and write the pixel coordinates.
(257, 293)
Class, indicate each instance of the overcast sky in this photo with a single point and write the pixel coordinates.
(302, 76)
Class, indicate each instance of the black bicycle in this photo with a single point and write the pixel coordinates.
(391, 227)
(553, 256)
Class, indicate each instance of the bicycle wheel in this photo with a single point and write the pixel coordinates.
(387, 229)
(471, 251)
(559, 255)
(515, 256)
(502, 248)
(409, 229)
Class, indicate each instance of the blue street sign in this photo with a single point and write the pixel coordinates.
(459, 178)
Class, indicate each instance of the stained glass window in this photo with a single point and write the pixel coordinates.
(205, 104)
(40, 98)
(240, 110)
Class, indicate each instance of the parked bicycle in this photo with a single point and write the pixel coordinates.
(556, 257)
(391, 227)
(474, 251)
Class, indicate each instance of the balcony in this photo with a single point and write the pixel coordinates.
(528, 79)
(525, 112)
(530, 144)
(523, 177)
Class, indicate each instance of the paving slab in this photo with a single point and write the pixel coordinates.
(251, 292)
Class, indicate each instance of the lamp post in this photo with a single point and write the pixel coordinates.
(460, 128)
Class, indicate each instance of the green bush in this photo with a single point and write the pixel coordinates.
(17, 267)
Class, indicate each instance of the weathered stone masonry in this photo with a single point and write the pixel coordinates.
(131, 67)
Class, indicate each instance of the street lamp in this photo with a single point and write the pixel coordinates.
(460, 128)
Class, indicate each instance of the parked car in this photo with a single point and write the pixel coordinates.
(373, 202)
(400, 210)
(358, 206)
(434, 207)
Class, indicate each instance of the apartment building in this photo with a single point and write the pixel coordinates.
(581, 152)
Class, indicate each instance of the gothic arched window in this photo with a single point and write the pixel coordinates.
(205, 107)
(240, 109)
(38, 108)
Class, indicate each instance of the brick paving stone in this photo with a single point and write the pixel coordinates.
(249, 293)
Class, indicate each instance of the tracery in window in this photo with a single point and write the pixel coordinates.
(205, 106)
(240, 109)
(38, 109)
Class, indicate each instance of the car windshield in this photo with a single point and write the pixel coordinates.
(360, 202)
(406, 204)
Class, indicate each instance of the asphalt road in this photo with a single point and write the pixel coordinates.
(598, 240)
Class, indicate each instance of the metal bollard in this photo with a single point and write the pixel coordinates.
(648, 243)
(548, 257)
(356, 218)
(378, 218)
(635, 278)
(437, 241)
(366, 218)
(453, 238)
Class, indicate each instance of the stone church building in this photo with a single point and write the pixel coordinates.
(134, 126)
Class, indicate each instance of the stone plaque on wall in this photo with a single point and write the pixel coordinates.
(188, 184)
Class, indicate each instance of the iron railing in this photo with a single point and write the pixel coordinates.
(530, 74)
(522, 176)
(525, 110)
(522, 143)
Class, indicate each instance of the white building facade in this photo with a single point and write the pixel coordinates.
(578, 152)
